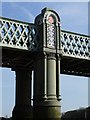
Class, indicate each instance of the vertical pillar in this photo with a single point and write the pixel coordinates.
(51, 77)
(58, 77)
(40, 78)
(47, 67)
(23, 108)
(48, 107)
(88, 91)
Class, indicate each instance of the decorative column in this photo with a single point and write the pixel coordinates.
(40, 78)
(58, 76)
(46, 104)
(51, 77)
(23, 108)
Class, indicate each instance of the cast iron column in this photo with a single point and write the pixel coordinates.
(51, 77)
(23, 108)
(46, 104)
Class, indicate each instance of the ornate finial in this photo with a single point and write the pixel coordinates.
(48, 23)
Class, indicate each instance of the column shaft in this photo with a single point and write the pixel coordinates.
(23, 107)
(45, 77)
(40, 78)
(58, 78)
(46, 106)
(51, 77)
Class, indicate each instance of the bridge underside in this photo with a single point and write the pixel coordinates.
(72, 66)
(12, 58)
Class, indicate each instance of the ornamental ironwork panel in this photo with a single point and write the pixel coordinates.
(51, 35)
(17, 34)
(75, 45)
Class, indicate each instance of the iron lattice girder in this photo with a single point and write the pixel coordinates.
(22, 35)
(75, 45)
(17, 36)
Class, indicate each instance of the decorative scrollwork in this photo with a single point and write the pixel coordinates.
(51, 35)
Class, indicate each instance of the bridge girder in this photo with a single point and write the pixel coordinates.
(19, 47)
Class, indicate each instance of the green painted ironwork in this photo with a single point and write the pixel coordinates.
(75, 45)
(23, 35)
(17, 34)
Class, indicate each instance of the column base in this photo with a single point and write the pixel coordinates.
(47, 111)
(22, 112)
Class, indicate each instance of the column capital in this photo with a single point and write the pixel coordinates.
(58, 56)
(51, 56)
(25, 69)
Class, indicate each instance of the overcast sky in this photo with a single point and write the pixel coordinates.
(74, 17)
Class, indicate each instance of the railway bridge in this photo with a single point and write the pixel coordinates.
(47, 50)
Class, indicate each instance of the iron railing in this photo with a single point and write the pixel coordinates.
(75, 45)
(17, 34)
